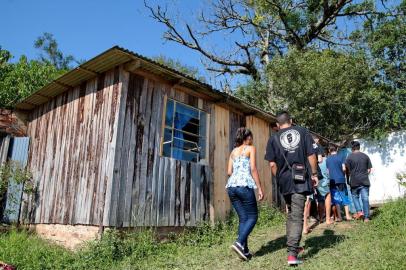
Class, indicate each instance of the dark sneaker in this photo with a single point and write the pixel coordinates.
(248, 255)
(293, 260)
(237, 248)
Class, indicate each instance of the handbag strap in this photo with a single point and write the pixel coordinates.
(278, 142)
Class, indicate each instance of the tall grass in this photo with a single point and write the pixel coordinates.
(117, 250)
(379, 244)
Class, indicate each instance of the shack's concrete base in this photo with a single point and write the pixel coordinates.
(69, 236)
(73, 236)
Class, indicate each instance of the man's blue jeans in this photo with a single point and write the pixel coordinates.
(245, 204)
(363, 192)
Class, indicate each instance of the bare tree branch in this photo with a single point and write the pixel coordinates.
(260, 30)
(244, 67)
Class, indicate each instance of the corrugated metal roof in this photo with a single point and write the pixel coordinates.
(116, 56)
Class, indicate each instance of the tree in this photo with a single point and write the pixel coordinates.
(51, 54)
(258, 30)
(385, 40)
(332, 93)
(384, 37)
(177, 65)
(19, 80)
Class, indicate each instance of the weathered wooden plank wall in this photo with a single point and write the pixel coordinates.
(4, 145)
(237, 120)
(150, 190)
(95, 157)
(73, 139)
(261, 132)
(225, 126)
(220, 150)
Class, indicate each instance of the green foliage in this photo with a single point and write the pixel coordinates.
(401, 176)
(13, 171)
(342, 94)
(332, 93)
(256, 93)
(177, 65)
(51, 54)
(391, 217)
(28, 252)
(115, 247)
(384, 38)
(300, 18)
(207, 235)
(269, 217)
(379, 244)
(20, 79)
(123, 250)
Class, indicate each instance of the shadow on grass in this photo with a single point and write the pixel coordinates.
(327, 240)
(272, 246)
(313, 244)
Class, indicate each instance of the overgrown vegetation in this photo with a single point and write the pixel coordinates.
(379, 244)
(338, 66)
(20, 175)
(121, 250)
(21, 78)
(401, 176)
(332, 93)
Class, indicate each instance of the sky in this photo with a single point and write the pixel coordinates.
(85, 28)
(88, 27)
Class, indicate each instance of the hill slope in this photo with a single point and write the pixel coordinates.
(380, 244)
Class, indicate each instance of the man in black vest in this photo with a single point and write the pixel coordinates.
(293, 161)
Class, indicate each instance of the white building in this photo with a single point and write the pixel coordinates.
(388, 158)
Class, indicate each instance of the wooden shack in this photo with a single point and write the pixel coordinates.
(122, 141)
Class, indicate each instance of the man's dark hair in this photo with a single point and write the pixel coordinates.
(283, 117)
(332, 148)
(355, 145)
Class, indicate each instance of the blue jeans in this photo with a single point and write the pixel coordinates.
(245, 204)
(363, 192)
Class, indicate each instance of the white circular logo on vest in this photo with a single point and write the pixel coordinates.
(290, 139)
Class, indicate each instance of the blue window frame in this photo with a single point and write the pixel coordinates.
(184, 135)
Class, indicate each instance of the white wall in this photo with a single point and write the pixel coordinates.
(388, 157)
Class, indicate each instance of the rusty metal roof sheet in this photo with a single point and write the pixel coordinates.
(116, 56)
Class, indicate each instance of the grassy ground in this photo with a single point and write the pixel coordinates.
(380, 244)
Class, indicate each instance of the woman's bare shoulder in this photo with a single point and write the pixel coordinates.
(232, 153)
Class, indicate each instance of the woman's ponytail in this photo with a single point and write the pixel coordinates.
(241, 135)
